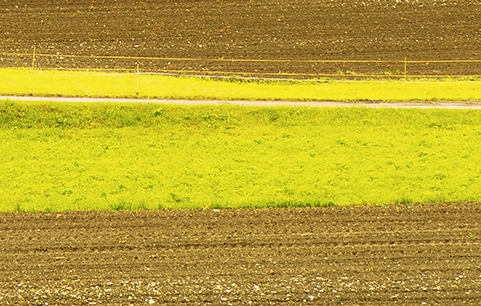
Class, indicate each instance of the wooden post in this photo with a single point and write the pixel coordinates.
(137, 85)
(405, 68)
(33, 58)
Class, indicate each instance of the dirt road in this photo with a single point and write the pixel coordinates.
(424, 105)
(406, 255)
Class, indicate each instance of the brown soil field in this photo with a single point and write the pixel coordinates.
(213, 32)
(365, 255)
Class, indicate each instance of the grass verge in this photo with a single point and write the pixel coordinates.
(101, 84)
(57, 157)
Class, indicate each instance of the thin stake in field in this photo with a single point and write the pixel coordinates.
(33, 58)
(137, 81)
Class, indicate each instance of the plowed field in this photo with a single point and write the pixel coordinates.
(407, 255)
(255, 29)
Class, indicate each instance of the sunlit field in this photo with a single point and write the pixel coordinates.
(102, 84)
(58, 157)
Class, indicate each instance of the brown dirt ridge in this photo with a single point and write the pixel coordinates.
(258, 29)
(363, 255)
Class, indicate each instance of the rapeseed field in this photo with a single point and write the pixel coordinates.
(58, 157)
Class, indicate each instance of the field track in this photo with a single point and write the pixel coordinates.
(419, 105)
(407, 255)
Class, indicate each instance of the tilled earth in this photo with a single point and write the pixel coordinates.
(406, 254)
(208, 33)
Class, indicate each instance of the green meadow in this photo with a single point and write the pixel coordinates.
(103, 84)
(58, 157)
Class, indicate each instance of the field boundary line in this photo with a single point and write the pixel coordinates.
(252, 75)
(36, 54)
(319, 68)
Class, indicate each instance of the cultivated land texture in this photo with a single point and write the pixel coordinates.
(406, 255)
(255, 29)
(350, 255)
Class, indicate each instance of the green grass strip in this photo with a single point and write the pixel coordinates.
(101, 84)
(57, 157)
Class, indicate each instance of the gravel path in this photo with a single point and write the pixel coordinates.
(444, 105)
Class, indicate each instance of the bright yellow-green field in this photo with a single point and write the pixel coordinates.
(57, 157)
(102, 84)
